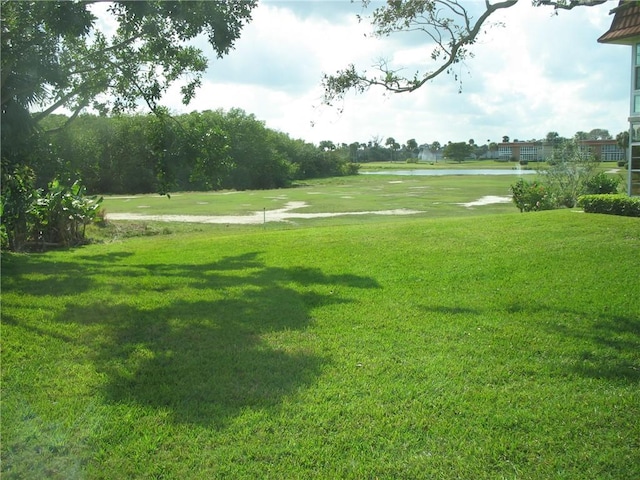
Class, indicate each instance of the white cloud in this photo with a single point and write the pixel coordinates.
(539, 73)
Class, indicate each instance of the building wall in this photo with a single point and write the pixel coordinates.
(633, 186)
(604, 150)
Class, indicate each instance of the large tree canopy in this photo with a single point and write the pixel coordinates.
(451, 27)
(57, 54)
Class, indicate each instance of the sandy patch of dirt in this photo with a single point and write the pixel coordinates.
(279, 215)
(488, 200)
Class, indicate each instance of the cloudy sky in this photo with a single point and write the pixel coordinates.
(535, 74)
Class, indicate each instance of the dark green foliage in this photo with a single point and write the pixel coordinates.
(36, 38)
(193, 152)
(18, 195)
(601, 183)
(54, 54)
(62, 213)
(36, 218)
(571, 172)
(458, 151)
(258, 163)
(611, 204)
(532, 196)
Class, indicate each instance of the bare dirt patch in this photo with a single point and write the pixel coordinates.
(279, 215)
(487, 200)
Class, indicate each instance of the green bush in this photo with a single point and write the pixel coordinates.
(18, 195)
(349, 168)
(532, 196)
(601, 183)
(62, 213)
(567, 172)
(610, 204)
(32, 218)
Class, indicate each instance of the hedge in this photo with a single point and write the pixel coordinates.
(611, 204)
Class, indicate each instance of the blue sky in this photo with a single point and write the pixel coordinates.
(535, 74)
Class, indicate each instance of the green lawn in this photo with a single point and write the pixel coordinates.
(435, 196)
(490, 346)
(440, 164)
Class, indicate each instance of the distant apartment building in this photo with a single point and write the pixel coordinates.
(603, 150)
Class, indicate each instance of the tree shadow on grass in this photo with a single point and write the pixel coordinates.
(205, 353)
(604, 345)
(37, 275)
(616, 352)
(611, 343)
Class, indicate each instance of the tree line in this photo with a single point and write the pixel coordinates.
(151, 153)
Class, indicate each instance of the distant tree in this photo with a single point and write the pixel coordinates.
(505, 139)
(481, 151)
(458, 151)
(493, 147)
(327, 146)
(412, 145)
(581, 135)
(622, 140)
(393, 146)
(599, 134)
(474, 147)
(435, 146)
(554, 139)
(354, 149)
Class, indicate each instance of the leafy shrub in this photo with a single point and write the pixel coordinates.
(610, 204)
(350, 168)
(32, 217)
(524, 162)
(622, 163)
(601, 183)
(532, 196)
(62, 213)
(569, 168)
(18, 195)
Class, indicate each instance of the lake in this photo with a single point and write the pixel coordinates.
(450, 171)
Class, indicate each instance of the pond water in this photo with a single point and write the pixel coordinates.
(450, 171)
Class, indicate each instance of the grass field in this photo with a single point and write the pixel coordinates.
(435, 196)
(484, 346)
(446, 164)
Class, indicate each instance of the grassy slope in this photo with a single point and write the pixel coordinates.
(493, 347)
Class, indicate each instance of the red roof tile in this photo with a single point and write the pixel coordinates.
(625, 24)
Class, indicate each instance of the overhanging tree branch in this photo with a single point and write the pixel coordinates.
(447, 24)
(568, 4)
(54, 54)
